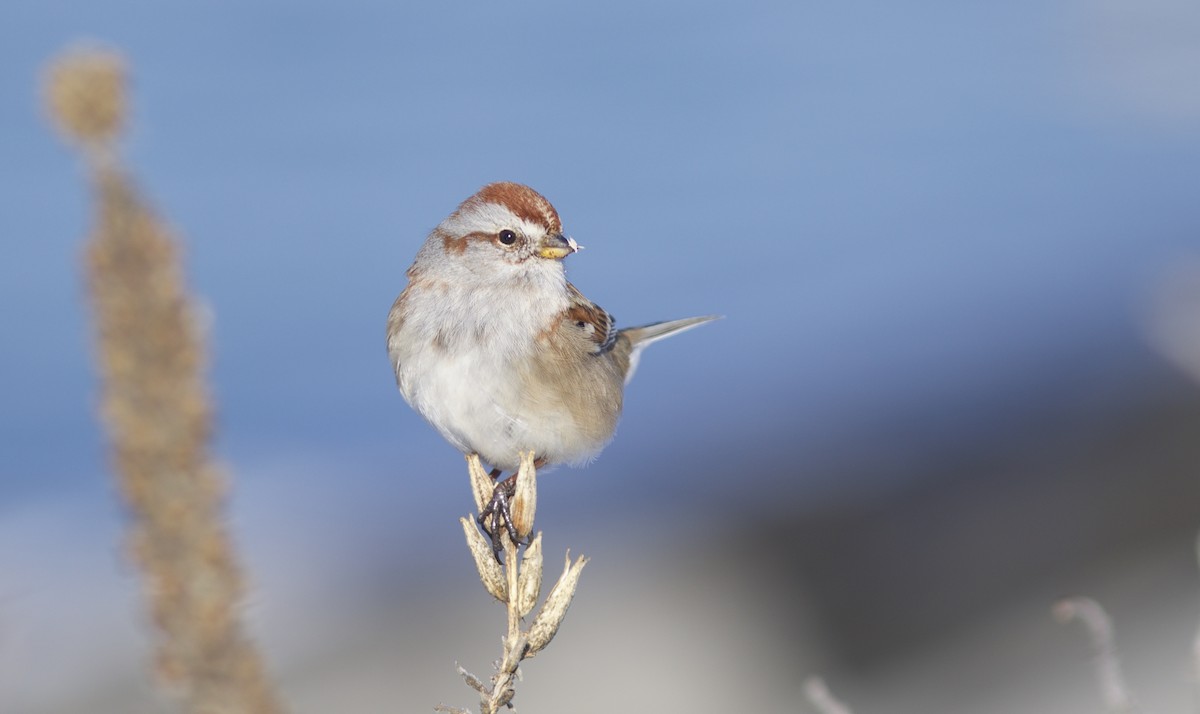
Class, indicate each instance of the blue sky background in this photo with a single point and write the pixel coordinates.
(928, 224)
(931, 212)
(928, 215)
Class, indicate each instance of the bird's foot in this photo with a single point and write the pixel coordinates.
(498, 515)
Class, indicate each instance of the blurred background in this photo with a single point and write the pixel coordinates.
(958, 250)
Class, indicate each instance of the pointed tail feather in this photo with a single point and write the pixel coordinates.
(645, 335)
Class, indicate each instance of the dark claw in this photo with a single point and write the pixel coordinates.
(499, 513)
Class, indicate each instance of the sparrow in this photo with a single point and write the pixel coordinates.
(499, 352)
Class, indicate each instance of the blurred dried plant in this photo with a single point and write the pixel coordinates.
(85, 93)
(1116, 695)
(156, 408)
(517, 583)
(1118, 699)
(822, 699)
(1114, 692)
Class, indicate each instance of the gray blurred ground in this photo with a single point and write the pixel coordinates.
(935, 599)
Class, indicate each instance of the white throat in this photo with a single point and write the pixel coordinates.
(505, 311)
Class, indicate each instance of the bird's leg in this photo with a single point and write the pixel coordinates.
(498, 511)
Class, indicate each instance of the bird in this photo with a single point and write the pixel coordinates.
(499, 352)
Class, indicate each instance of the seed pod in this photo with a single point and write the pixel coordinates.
(490, 573)
(524, 501)
(529, 587)
(481, 484)
(545, 625)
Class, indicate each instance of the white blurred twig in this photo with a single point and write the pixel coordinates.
(1113, 690)
(822, 699)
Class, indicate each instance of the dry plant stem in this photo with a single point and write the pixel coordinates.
(1113, 690)
(517, 585)
(822, 699)
(501, 692)
(511, 568)
(157, 412)
(514, 642)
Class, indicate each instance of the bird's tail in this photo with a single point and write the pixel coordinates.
(641, 337)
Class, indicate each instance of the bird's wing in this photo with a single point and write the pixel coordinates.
(599, 326)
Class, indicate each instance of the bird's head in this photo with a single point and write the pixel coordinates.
(505, 229)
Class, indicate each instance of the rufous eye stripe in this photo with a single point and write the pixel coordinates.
(458, 244)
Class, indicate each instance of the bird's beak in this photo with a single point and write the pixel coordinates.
(557, 246)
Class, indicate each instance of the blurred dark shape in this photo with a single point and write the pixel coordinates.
(975, 528)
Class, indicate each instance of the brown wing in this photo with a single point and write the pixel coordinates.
(599, 326)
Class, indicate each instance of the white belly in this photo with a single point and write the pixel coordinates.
(464, 400)
(479, 404)
(463, 364)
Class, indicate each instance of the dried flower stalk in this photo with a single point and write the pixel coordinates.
(157, 412)
(518, 586)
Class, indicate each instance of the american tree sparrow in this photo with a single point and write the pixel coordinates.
(495, 349)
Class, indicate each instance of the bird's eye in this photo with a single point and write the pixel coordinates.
(507, 237)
